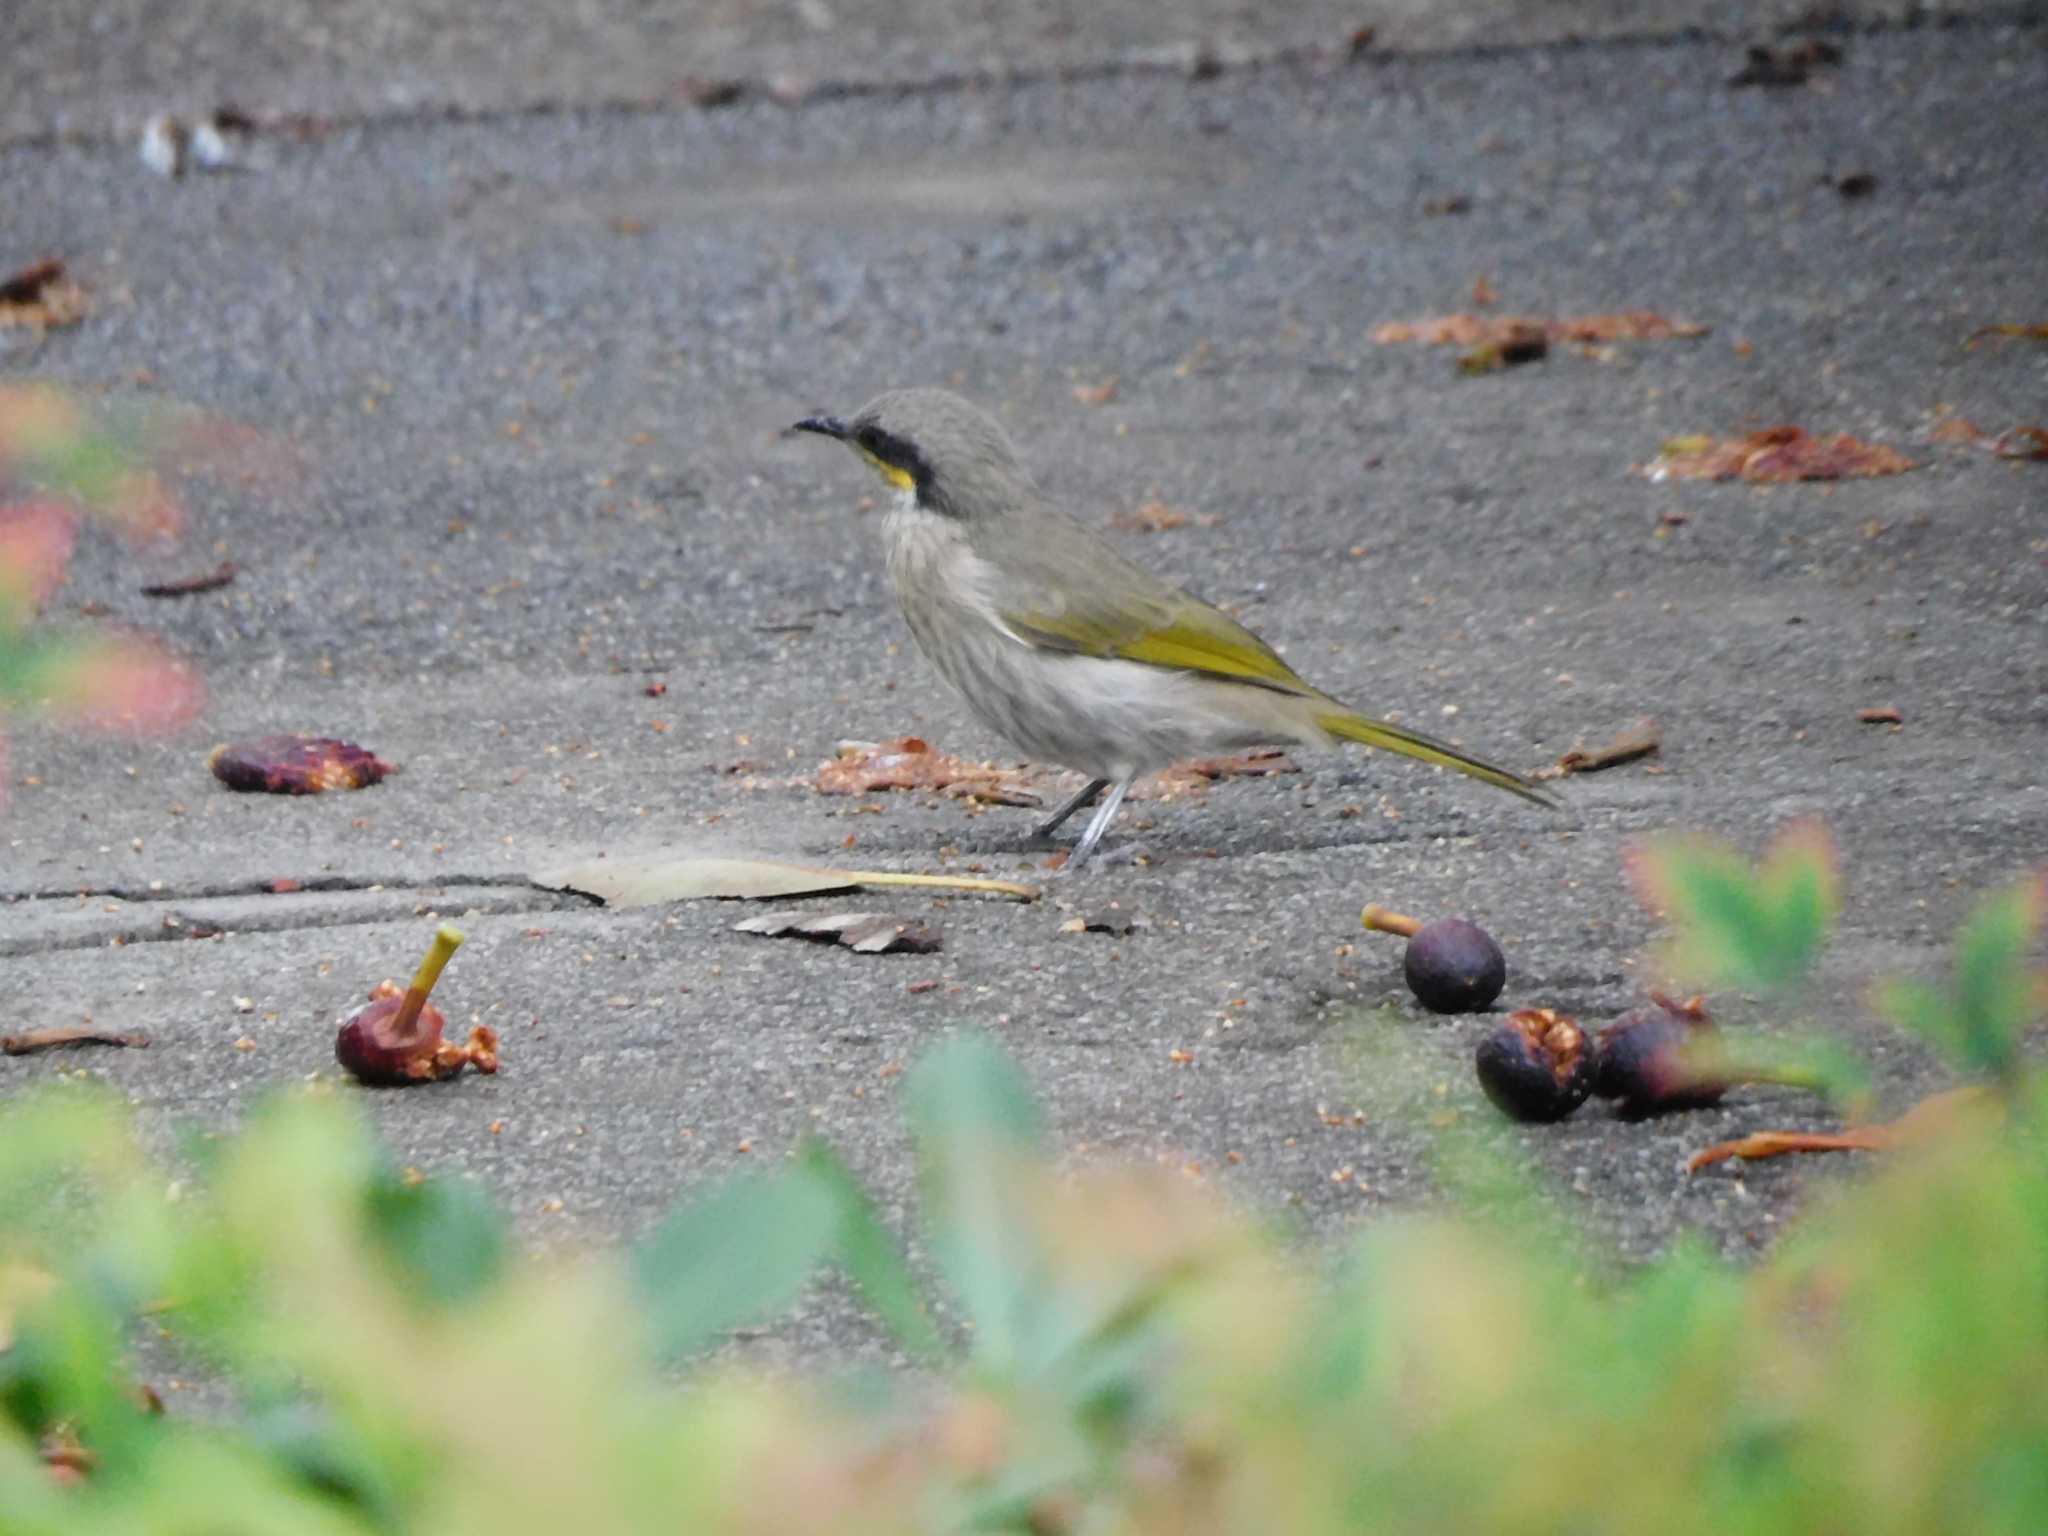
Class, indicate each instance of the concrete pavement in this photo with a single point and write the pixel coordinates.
(534, 367)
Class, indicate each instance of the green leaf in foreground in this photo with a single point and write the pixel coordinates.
(1735, 924)
(870, 1253)
(746, 1249)
(1978, 1018)
(977, 1127)
(444, 1234)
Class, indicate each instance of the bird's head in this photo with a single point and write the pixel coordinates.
(953, 457)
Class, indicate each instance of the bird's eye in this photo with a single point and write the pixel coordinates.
(869, 436)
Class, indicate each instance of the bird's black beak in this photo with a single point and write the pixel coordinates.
(825, 426)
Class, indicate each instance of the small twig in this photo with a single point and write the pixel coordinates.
(185, 586)
(1640, 740)
(66, 1034)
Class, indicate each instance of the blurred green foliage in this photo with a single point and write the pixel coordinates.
(1734, 924)
(1095, 1349)
(59, 466)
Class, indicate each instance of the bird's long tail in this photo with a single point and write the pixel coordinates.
(1398, 738)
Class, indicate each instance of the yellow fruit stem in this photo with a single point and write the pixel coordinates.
(447, 939)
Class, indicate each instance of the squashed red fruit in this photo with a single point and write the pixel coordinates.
(297, 765)
(377, 1047)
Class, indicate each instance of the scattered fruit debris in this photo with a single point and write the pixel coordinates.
(186, 586)
(1932, 1119)
(908, 762)
(395, 1038)
(1538, 1066)
(865, 933)
(1882, 714)
(1777, 455)
(296, 765)
(1196, 774)
(1792, 64)
(68, 1034)
(1469, 330)
(1452, 965)
(1640, 740)
(40, 297)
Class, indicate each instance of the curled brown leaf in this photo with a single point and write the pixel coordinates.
(1777, 455)
(909, 762)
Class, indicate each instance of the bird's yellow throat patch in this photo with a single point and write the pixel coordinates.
(899, 478)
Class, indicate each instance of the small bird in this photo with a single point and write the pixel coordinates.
(1057, 642)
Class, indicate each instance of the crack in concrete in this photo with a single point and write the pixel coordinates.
(1193, 60)
(317, 885)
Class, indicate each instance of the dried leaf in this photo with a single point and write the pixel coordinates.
(1154, 516)
(2007, 330)
(1520, 344)
(1639, 740)
(1958, 429)
(2022, 443)
(865, 933)
(1793, 64)
(1775, 456)
(1096, 394)
(1883, 714)
(297, 765)
(710, 91)
(1469, 330)
(41, 297)
(186, 586)
(1196, 774)
(908, 762)
(66, 1034)
(641, 880)
(1932, 1119)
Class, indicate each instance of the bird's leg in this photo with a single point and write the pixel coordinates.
(1059, 817)
(1099, 823)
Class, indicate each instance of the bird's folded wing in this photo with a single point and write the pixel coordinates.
(1172, 630)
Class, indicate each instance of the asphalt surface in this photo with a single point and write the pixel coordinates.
(532, 371)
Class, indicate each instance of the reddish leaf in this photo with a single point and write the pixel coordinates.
(908, 762)
(1775, 456)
